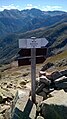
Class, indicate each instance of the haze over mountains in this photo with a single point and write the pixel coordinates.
(15, 24)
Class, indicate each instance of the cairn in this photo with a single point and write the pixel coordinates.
(47, 83)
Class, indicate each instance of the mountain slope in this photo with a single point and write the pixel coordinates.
(56, 35)
(21, 21)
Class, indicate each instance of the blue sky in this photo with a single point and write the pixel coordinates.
(45, 5)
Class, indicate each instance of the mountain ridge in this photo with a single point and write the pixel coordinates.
(55, 34)
(12, 21)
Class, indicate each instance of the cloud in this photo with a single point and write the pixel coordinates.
(51, 8)
(12, 6)
(30, 6)
(44, 8)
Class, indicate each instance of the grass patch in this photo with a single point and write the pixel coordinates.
(16, 73)
(57, 57)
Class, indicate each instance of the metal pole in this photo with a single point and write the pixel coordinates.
(33, 74)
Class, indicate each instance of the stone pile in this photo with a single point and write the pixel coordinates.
(48, 82)
(56, 106)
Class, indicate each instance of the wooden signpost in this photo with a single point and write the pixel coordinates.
(33, 43)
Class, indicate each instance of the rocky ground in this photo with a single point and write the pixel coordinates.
(50, 86)
(13, 78)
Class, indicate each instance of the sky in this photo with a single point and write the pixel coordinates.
(44, 5)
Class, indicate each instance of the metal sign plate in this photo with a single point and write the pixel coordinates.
(22, 43)
(33, 43)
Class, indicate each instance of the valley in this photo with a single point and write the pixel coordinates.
(52, 87)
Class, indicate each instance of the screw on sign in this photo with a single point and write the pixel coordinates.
(33, 43)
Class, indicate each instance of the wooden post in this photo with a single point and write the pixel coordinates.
(33, 74)
(33, 43)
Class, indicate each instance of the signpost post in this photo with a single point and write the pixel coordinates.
(33, 43)
(33, 73)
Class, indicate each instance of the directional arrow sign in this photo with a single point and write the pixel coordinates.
(33, 43)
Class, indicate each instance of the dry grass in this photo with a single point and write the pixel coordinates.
(57, 57)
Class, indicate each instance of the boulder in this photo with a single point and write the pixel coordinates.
(24, 109)
(49, 76)
(46, 66)
(43, 94)
(1, 99)
(56, 106)
(62, 85)
(39, 99)
(5, 96)
(64, 72)
(7, 114)
(22, 83)
(61, 80)
(40, 117)
(1, 116)
(42, 73)
(46, 90)
(45, 80)
(4, 108)
(54, 75)
(40, 87)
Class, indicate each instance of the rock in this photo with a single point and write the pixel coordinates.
(53, 76)
(22, 93)
(42, 73)
(18, 86)
(1, 99)
(5, 88)
(40, 117)
(4, 108)
(62, 85)
(5, 96)
(39, 99)
(45, 80)
(22, 83)
(37, 82)
(39, 88)
(48, 75)
(24, 109)
(25, 74)
(7, 114)
(1, 116)
(64, 72)
(61, 80)
(10, 85)
(56, 75)
(43, 94)
(46, 90)
(46, 66)
(65, 90)
(56, 106)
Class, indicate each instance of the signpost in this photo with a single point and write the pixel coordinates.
(33, 43)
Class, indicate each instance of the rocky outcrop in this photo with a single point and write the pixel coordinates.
(49, 82)
(39, 117)
(46, 66)
(56, 106)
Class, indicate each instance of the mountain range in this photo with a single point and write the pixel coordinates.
(15, 24)
(12, 21)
